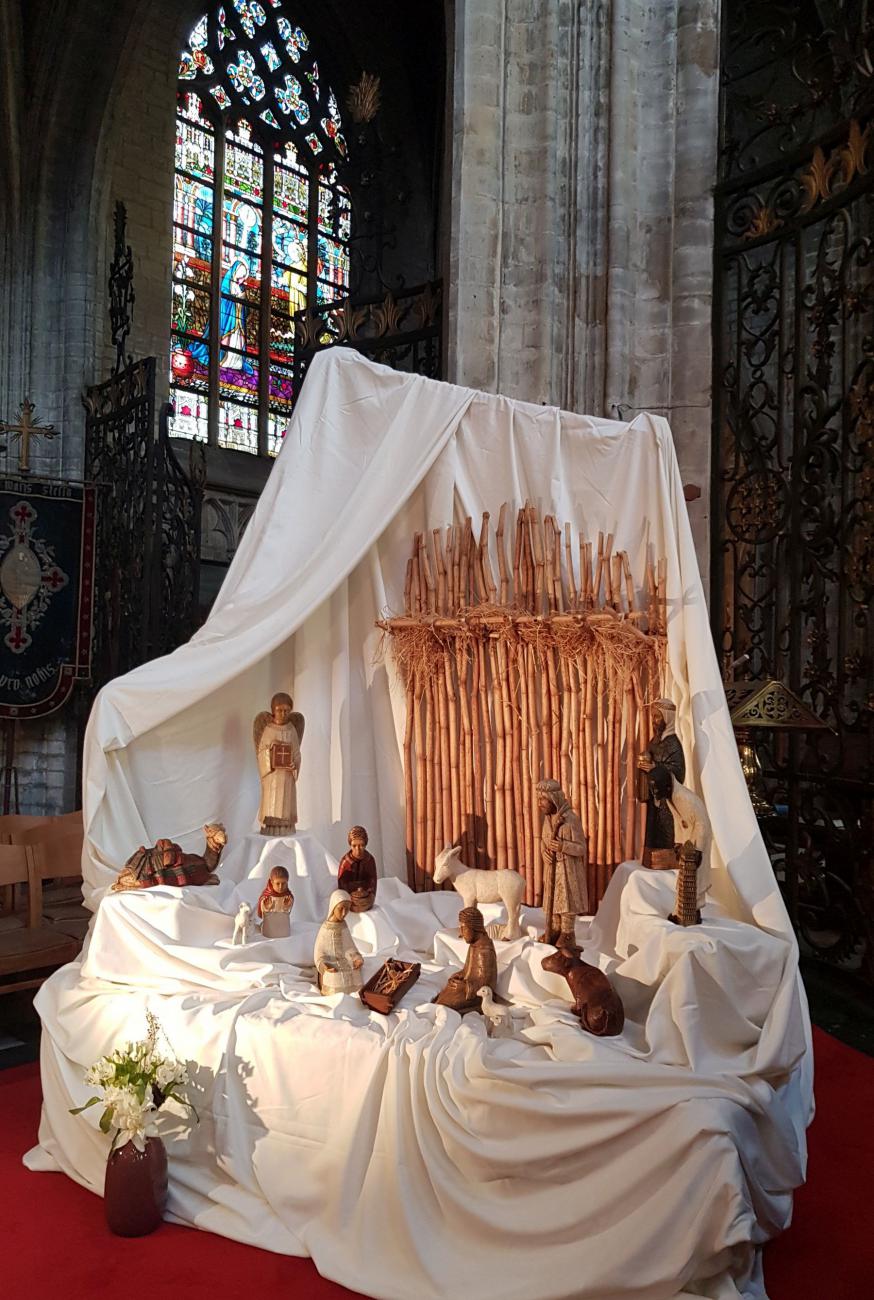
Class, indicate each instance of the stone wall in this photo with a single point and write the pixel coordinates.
(584, 156)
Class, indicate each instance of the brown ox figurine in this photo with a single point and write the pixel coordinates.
(596, 1002)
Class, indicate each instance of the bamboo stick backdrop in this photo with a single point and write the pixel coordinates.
(546, 669)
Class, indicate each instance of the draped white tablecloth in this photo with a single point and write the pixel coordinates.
(413, 1157)
(565, 1165)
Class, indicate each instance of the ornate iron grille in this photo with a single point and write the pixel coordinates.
(793, 490)
(400, 330)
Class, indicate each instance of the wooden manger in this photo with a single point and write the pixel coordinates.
(546, 669)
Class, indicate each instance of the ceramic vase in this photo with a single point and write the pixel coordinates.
(135, 1190)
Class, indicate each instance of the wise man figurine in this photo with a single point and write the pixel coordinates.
(461, 991)
(357, 871)
(277, 737)
(682, 816)
(664, 750)
(564, 855)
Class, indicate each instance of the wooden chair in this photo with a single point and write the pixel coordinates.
(34, 946)
(58, 856)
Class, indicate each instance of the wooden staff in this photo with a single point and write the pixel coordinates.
(500, 755)
(488, 755)
(466, 548)
(608, 570)
(488, 575)
(451, 598)
(650, 583)
(408, 588)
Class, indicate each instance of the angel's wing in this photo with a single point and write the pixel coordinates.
(298, 721)
(261, 720)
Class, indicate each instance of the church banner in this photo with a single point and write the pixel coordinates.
(46, 593)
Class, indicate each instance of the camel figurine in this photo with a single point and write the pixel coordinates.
(165, 863)
(596, 1002)
(477, 886)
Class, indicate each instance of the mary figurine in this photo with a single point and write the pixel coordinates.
(336, 958)
(232, 323)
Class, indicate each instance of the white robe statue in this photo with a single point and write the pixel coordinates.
(336, 959)
(277, 737)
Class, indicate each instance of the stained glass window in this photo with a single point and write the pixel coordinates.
(261, 221)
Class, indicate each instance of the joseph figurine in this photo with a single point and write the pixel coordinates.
(564, 856)
(480, 968)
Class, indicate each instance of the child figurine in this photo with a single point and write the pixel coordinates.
(357, 871)
(335, 957)
(275, 904)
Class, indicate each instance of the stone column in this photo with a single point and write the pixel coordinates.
(584, 156)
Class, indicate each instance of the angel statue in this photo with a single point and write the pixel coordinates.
(277, 736)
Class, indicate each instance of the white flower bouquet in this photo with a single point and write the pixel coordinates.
(135, 1081)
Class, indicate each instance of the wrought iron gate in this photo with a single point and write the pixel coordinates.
(793, 489)
(148, 514)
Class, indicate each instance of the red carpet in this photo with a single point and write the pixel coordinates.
(56, 1243)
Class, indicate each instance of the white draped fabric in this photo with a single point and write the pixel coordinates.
(412, 1156)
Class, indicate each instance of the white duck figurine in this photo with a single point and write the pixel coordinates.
(501, 1021)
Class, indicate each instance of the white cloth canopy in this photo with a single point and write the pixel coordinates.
(549, 1168)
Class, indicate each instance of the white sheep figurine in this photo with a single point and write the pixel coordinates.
(243, 925)
(477, 886)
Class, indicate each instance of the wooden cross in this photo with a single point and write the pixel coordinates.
(24, 431)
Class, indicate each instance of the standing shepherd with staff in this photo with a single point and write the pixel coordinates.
(564, 856)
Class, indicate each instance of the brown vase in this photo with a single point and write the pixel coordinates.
(135, 1190)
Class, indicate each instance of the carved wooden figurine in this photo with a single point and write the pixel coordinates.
(664, 750)
(337, 960)
(688, 820)
(357, 871)
(564, 855)
(277, 737)
(478, 886)
(165, 863)
(596, 1002)
(687, 910)
(461, 991)
(275, 904)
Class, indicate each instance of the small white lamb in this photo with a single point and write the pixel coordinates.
(243, 925)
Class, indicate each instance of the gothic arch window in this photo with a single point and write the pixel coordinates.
(261, 222)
